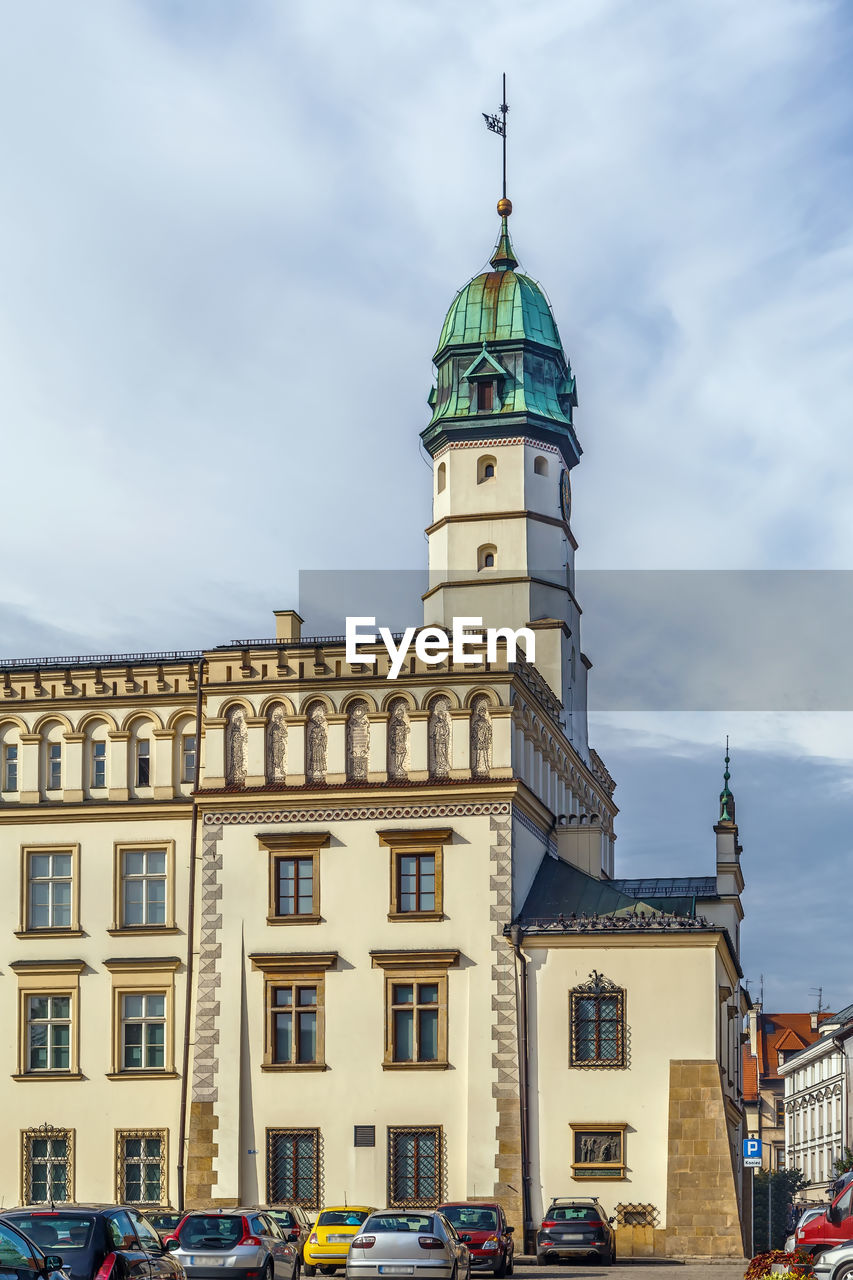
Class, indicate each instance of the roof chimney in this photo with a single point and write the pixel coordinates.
(288, 624)
(813, 1017)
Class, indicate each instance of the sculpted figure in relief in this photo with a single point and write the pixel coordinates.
(398, 740)
(481, 739)
(235, 747)
(439, 738)
(358, 742)
(315, 753)
(276, 743)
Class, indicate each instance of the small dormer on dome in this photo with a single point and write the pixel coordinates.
(500, 364)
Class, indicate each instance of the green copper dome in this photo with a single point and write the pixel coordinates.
(500, 364)
(496, 306)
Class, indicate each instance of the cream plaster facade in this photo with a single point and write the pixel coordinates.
(367, 904)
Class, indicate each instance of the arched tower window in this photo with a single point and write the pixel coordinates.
(441, 478)
(487, 556)
(487, 468)
(540, 465)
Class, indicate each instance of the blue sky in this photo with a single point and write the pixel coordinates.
(229, 237)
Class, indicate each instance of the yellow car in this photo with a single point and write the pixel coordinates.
(331, 1236)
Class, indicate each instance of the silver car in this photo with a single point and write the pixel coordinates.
(403, 1242)
(835, 1263)
(233, 1242)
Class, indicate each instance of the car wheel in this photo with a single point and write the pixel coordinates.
(844, 1273)
(510, 1266)
(308, 1269)
(606, 1259)
(541, 1260)
(500, 1267)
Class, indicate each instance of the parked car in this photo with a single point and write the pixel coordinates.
(805, 1216)
(483, 1227)
(404, 1243)
(294, 1222)
(22, 1257)
(91, 1237)
(245, 1241)
(835, 1264)
(331, 1236)
(574, 1228)
(832, 1227)
(164, 1221)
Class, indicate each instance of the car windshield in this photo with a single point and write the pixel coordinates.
(341, 1218)
(464, 1218)
(212, 1231)
(573, 1213)
(401, 1222)
(282, 1217)
(57, 1232)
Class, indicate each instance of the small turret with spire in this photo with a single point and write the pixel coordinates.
(727, 800)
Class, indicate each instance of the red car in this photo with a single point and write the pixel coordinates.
(483, 1227)
(833, 1227)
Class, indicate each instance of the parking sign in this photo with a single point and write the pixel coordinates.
(752, 1153)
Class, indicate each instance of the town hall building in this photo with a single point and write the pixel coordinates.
(278, 928)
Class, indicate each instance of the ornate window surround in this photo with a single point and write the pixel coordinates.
(395, 1133)
(415, 967)
(316, 1198)
(426, 840)
(595, 988)
(141, 976)
(48, 1132)
(121, 1192)
(48, 978)
(309, 969)
(293, 844)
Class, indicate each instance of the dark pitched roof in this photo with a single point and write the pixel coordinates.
(561, 889)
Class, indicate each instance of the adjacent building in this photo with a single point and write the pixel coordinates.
(278, 927)
(816, 1081)
(772, 1039)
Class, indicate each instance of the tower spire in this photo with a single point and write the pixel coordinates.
(727, 800)
(503, 258)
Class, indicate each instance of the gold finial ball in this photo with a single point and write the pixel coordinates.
(504, 207)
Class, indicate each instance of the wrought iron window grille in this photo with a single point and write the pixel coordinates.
(416, 1167)
(294, 1167)
(597, 1034)
(637, 1215)
(140, 1161)
(47, 1164)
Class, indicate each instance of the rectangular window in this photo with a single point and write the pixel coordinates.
(598, 1151)
(48, 1033)
(99, 764)
(596, 1020)
(143, 763)
(47, 1165)
(485, 395)
(294, 1015)
(414, 1167)
(54, 766)
(143, 888)
(49, 890)
(414, 1021)
(188, 757)
(416, 882)
(417, 872)
(295, 886)
(141, 1166)
(293, 1167)
(780, 1112)
(143, 1031)
(10, 767)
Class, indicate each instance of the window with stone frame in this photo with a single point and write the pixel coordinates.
(415, 1166)
(47, 1164)
(294, 1009)
(293, 1167)
(597, 1024)
(50, 900)
(417, 872)
(141, 1166)
(416, 999)
(294, 875)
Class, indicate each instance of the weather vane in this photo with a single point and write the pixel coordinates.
(497, 124)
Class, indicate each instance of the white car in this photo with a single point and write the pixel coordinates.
(408, 1242)
(835, 1263)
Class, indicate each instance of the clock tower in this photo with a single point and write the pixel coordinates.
(503, 445)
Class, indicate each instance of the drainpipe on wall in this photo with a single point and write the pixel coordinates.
(517, 938)
(185, 1064)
